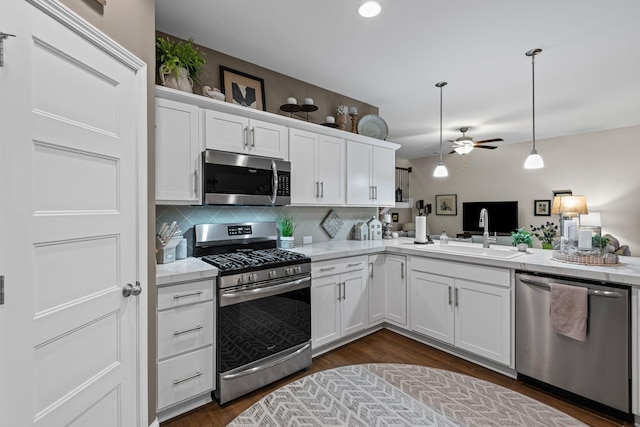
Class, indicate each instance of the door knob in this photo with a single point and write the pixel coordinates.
(129, 289)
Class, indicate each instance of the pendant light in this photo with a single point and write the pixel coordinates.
(441, 170)
(534, 160)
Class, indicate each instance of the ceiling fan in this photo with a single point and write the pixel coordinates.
(465, 144)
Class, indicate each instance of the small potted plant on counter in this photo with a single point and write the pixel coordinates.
(286, 227)
(522, 239)
(546, 233)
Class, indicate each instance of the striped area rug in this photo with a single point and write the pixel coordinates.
(398, 395)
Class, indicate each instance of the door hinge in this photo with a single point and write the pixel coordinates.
(1, 290)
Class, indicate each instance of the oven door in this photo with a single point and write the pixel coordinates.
(261, 320)
(238, 179)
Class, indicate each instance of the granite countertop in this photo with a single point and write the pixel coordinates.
(184, 269)
(538, 260)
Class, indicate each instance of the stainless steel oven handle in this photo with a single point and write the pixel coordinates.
(606, 294)
(267, 365)
(272, 199)
(270, 290)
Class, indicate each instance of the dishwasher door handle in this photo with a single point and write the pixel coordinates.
(606, 294)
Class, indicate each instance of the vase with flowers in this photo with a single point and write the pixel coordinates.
(546, 233)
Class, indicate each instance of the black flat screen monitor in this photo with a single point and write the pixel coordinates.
(503, 217)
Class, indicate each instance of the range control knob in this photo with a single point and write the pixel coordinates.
(272, 274)
(252, 277)
(297, 269)
(241, 280)
(287, 271)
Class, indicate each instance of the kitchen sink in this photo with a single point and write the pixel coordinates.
(477, 251)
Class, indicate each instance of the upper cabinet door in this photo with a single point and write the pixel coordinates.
(226, 132)
(177, 153)
(383, 176)
(359, 187)
(331, 168)
(268, 139)
(304, 181)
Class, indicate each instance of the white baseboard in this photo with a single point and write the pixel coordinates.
(155, 423)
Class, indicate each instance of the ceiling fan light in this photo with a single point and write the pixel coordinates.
(534, 161)
(464, 149)
(369, 9)
(441, 171)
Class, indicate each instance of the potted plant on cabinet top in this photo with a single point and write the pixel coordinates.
(546, 233)
(522, 239)
(286, 227)
(180, 63)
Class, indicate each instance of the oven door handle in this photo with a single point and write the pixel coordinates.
(237, 296)
(267, 365)
(274, 184)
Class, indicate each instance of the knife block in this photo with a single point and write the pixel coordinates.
(166, 255)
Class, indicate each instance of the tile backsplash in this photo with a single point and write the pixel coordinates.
(308, 219)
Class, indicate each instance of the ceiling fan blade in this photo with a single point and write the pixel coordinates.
(489, 140)
(488, 147)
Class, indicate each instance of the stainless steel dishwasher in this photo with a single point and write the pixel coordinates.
(597, 369)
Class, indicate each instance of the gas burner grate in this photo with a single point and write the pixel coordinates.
(243, 259)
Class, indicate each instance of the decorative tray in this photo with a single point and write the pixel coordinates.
(373, 126)
(607, 260)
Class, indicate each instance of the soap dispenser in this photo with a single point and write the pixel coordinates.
(444, 239)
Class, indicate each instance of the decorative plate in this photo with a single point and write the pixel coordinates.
(373, 126)
(332, 224)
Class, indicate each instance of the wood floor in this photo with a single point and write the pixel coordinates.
(387, 347)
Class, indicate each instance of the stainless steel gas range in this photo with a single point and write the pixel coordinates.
(263, 330)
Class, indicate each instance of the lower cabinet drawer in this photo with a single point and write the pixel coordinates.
(185, 328)
(185, 376)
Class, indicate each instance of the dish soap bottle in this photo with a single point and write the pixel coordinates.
(444, 239)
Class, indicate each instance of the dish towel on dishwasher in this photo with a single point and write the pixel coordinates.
(569, 310)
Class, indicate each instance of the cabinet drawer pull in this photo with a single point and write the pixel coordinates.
(339, 291)
(246, 136)
(321, 188)
(457, 298)
(370, 269)
(354, 264)
(190, 294)
(253, 138)
(327, 269)
(402, 270)
(317, 188)
(190, 377)
(195, 186)
(196, 328)
(450, 301)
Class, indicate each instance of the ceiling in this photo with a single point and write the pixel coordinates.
(586, 79)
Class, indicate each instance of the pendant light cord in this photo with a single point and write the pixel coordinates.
(441, 124)
(533, 89)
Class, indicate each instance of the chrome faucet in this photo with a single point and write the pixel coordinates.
(484, 222)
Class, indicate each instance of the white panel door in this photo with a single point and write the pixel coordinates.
(226, 132)
(375, 288)
(483, 320)
(268, 139)
(432, 299)
(73, 129)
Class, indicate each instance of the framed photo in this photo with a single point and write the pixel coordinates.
(542, 207)
(242, 89)
(446, 204)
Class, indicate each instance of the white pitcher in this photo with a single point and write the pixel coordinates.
(183, 82)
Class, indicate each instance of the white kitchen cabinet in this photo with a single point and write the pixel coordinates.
(177, 153)
(185, 346)
(463, 305)
(395, 289)
(237, 134)
(318, 168)
(338, 299)
(375, 288)
(370, 180)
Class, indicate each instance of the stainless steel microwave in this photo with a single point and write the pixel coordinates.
(240, 179)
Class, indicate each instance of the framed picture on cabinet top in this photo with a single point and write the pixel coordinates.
(446, 204)
(242, 89)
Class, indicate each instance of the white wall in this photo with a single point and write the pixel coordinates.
(603, 166)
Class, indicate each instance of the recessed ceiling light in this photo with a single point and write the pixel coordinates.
(369, 9)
